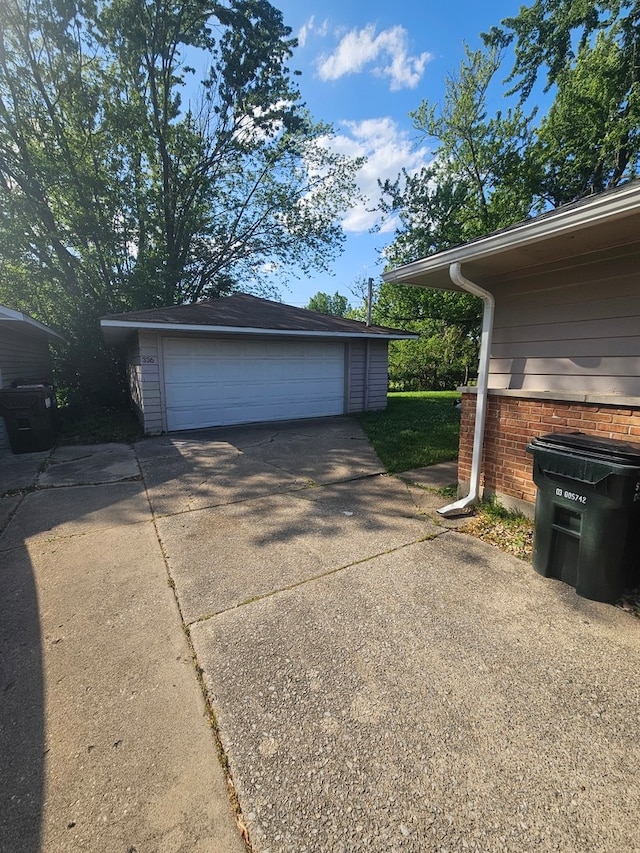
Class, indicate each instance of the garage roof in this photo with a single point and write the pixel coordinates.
(243, 314)
(608, 220)
(19, 322)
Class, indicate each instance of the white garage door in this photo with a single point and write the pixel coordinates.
(234, 381)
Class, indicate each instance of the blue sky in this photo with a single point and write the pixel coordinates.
(365, 66)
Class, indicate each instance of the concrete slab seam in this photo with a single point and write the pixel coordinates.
(15, 493)
(429, 537)
(161, 515)
(209, 711)
(11, 514)
(66, 536)
(265, 441)
(293, 492)
(433, 517)
(43, 487)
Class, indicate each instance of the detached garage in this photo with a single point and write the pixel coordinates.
(240, 359)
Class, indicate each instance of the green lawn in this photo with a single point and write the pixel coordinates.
(418, 428)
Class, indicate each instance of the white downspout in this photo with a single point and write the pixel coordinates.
(455, 274)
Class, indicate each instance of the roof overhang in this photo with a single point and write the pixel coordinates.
(117, 331)
(607, 221)
(19, 322)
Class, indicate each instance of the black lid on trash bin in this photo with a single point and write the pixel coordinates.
(577, 443)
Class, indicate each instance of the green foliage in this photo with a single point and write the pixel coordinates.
(336, 305)
(580, 147)
(479, 179)
(415, 430)
(477, 182)
(444, 357)
(588, 53)
(492, 169)
(95, 425)
(480, 159)
(494, 510)
(118, 194)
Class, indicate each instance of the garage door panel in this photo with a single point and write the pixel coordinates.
(219, 382)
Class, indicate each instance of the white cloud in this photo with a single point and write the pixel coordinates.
(388, 150)
(387, 53)
(305, 29)
(309, 27)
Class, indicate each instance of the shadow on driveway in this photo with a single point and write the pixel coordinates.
(243, 513)
(22, 745)
(25, 515)
(104, 738)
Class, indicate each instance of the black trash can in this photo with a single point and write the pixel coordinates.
(29, 416)
(587, 522)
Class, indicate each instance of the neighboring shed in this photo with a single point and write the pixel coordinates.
(241, 359)
(565, 349)
(24, 353)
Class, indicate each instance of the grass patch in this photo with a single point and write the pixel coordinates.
(448, 491)
(98, 426)
(509, 530)
(417, 428)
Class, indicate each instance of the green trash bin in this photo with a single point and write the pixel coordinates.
(587, 521)
(29, 416)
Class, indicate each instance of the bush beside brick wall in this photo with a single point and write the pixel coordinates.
(511, 424)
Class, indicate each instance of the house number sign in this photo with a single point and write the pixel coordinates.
(148, 359)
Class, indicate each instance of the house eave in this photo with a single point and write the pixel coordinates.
(566, 232)
(11, 319)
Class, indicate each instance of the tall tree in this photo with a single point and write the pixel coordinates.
(588, 54)
(127, 180)
(479, 180)
(479, 158)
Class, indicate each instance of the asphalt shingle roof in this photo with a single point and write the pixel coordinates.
(241, 311)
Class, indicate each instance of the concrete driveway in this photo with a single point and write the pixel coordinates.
(380, 680)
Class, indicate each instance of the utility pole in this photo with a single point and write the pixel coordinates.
(369, 301)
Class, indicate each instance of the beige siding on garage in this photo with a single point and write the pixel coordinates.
(22, 356)
(355, 373)
(371, 394)
(144, 360)
(378, 375)
(572, 328)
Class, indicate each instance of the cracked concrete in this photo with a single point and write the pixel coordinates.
(380, 680)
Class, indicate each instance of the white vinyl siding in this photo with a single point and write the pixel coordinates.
(570, 328)
(233, 380)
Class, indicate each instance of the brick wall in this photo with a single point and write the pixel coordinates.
(511, 424)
